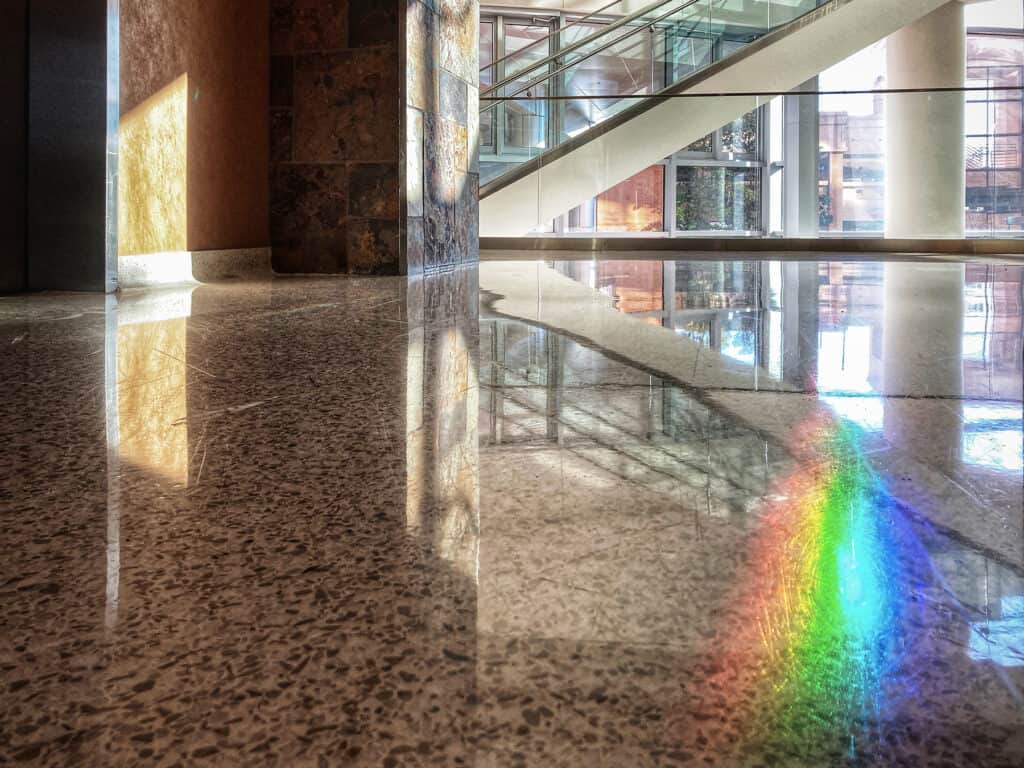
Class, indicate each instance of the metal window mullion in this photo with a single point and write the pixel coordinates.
(499, 75)
(761, 152)
(671, 173)
(556, 114)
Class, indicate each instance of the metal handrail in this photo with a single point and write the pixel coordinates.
(547, 76)
(580, 43)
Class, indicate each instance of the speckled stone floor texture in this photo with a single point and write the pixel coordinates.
(617, 514)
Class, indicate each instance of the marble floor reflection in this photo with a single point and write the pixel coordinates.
(611, 514)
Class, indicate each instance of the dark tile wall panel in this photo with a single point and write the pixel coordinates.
(373, 135)
(335, 127)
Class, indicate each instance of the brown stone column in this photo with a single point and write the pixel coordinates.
(373, 139)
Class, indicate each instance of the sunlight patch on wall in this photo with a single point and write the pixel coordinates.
(153, 174)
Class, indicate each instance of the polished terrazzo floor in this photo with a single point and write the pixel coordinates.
(617, 513)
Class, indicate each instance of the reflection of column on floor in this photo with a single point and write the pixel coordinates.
(800, 323)
(497, 382)
(925, 173)
(442, 473)
(922, 359)
(442, 429)
(553, 349)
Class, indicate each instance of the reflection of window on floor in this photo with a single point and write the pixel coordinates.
(739, 338)
(993, 437)
(1001, 640)
(844, 360)
(635, 285)
(993, 332)
(844, 372)
(697, 330)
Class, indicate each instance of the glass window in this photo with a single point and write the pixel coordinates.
(583, 218)
(487, 80)
(526, 121)
(704, 146)
(851, 178)
(635, 205)
(627, 68)
(994, 146)
(486, 54)
(686, 53)
(718, 198)
(522, 45)
(739, 138)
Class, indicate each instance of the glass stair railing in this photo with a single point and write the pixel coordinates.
(600, 66)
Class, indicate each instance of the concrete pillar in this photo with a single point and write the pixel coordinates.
(801, 157)
(925, 176)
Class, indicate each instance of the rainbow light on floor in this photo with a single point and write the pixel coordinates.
(824, 612)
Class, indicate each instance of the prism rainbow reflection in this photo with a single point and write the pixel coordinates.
(824, 613)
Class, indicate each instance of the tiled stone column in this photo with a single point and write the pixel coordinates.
(373, 139)
(441, 161)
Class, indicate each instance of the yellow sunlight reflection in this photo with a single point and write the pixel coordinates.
(152, 395)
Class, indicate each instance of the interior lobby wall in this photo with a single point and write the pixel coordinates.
(194, 125)
(13, 78)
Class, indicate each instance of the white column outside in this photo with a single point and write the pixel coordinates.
(925, 175)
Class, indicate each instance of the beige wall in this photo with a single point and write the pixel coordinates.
(200, 68)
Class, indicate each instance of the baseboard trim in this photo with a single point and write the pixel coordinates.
(149, 270)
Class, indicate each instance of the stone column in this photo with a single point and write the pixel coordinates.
(373, 135)
(925, 176)
(440, 161)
